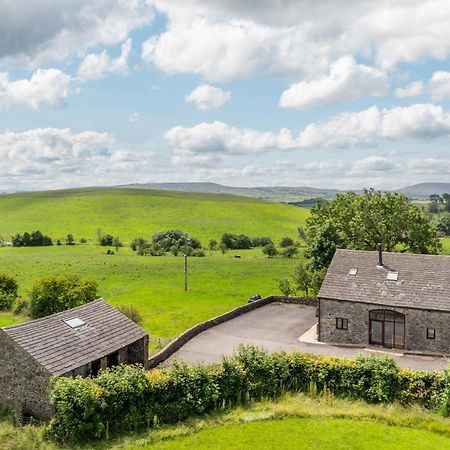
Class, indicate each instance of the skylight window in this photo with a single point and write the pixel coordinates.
(392, 276)
(75, 323)
(353, 271)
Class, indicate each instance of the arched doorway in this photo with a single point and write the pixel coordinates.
(387, 328)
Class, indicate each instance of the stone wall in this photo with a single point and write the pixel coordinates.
(24, 383)
(416, 323)
(183, 338)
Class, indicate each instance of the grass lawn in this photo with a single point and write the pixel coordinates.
(155, 285)
(293, 422)
(129, 213)
(318, 434)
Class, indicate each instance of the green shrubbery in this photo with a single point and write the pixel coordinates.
(60, 292)
(127, 398)
(8, 292)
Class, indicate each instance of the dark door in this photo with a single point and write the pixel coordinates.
(387, 328)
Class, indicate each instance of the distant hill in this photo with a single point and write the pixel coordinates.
(274, 193)
(129, 213)
(424, 190)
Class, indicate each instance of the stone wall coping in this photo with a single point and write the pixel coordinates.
(189, 334)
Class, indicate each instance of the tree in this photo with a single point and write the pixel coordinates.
(443, 223)
(286, 288)
(363, 221)
(223, 248)
(8, 285)
(106, 240)
(286, 242)
(116, 243)
(446, 198)
(70, 239)
(212, 245)
(302, 278)
(59, 293)
(270, 250)
(322, 246)
(290, 251)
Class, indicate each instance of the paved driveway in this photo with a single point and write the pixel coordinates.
(278, 326)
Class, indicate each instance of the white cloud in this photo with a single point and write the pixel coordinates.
(347, 80)
(438, 87)
(230, 40)
(38, 32)
(346, 130)
(134, 118)
(46, 86)
(98, 65)
(372, 164)
(414, 89)
(55, 157)
(206, 97)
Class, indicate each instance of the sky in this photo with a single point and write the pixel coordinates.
(334, 94)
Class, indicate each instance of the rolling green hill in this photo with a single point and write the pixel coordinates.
(129, 213)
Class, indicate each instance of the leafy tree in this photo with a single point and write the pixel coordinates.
(362, 221)
(286, 242)
(59, 293)
(302, 278)
(323, 245)
(443, 223)
(166, 240)
(236, 242)
(116, 243)
(446, 198)
(8, 285)
(261, 241)
(106, 240)
(270, 250)
(70, 239)
(290, 251)
(212, 245)
(286, 288)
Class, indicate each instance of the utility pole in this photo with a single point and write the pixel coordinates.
(185, 261)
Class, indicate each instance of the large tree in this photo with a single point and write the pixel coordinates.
(362, 221)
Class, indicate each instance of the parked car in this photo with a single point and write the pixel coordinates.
(254, 297)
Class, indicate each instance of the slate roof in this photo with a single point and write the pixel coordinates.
(423, 280)
(60, 348)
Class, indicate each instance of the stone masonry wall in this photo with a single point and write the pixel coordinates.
(416, 323)
(24, 384)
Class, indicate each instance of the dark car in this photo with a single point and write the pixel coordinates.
(254, 297)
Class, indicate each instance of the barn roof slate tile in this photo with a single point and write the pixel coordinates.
(60, 348)
(423, 280)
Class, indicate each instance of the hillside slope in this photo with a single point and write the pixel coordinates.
(424, 190)
(129, 213)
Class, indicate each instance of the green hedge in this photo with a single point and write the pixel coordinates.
(127, 398)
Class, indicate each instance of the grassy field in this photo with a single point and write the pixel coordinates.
(155, 285)
(129, 213)
(294, 422)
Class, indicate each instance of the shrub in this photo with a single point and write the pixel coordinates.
(286, 288)
(35, 239)
(286, 242)
(59, 293)
(289, 252)
(83, 241)
(106, 240)
(21, 307)
(270, 250)
(6, 301)
(8, 285)
(261, 241)
(200, 253)
(131, 312)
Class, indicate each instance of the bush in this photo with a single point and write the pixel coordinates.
(6, 301)
(289, 252)
(200, 253)
(106, 240)
(35, 239)
(286, 242)
(8, 285)
(59, 293)
(21, 307)
(236, 242)
(270, 250)
(127, 398)
(131, 312)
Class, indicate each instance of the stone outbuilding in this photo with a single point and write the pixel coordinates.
(391, 300)
(80, 341)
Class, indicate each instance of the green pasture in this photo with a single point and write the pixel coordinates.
(129, 213)
(296, 434)
(155, 285)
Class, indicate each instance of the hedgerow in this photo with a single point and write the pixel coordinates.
(128, 398)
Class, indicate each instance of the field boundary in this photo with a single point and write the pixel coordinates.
(189, 334)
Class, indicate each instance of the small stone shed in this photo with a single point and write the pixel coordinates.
(392, 300)
(80, 341)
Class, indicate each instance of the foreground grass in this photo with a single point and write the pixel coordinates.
(130, 213)
(155, 285)
(296, 421)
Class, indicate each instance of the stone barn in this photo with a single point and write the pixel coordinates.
(391, 300)
(80, 341)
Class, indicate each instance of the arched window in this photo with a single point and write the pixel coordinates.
(387, 328)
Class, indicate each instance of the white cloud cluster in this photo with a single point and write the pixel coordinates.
(437, 87)
(47, 157)
(230, 40)
(347, 80)
(52, 30)
(98, 65)
(46, 86)
(206, 97)
(346, 130)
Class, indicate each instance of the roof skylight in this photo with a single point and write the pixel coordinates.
(353, 271)
(392, 276)
(75, 323)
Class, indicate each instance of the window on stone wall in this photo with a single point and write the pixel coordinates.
(431, 333)
(341, 323)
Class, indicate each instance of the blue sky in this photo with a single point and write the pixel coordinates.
(270, 92)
